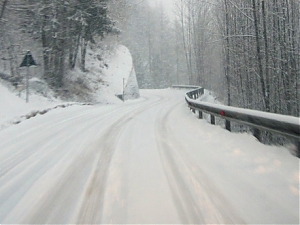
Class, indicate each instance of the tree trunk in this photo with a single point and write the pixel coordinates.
(259, 55)
(84, 44)
(3, 8)
(73, 52)
(267, 94)
(227, 57)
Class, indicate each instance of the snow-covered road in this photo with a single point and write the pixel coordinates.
(144, 161)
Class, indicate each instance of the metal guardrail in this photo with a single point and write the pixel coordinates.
(185, 86)
(287, 126)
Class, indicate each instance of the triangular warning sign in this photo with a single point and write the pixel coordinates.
(28, 60)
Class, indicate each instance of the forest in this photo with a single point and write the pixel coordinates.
(246, 51)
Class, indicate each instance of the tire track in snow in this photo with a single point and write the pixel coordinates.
(54, 129)
(46, 162)
(184, 202)
(62, 186)
(104, 148)
(12, 156)
(63, 189)
(92, 207)
(196, 199)
(73, 116)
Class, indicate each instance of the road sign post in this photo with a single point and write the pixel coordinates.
(27, 84)
(123, 89)
(27, 62)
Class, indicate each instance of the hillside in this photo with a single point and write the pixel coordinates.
(100, 84)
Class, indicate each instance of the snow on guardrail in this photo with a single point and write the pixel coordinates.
(288, 126)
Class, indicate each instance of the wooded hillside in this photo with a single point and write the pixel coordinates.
(55, 30)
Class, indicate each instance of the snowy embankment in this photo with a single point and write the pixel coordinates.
(14, 109)
(105, 80)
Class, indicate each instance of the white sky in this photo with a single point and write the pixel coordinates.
(168, 5)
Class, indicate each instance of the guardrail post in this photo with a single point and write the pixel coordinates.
(212, 119)
(256, 133)
(297, 148)
(227, 125)
(200, 116)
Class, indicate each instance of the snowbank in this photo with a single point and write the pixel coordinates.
(13, 106)
(14, 109)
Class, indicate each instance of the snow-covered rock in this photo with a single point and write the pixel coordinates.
(109, 73)
(131, 90)
(119, 75)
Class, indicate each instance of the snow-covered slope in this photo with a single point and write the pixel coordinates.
(108, 72)
(13, 106)
(131, 89)
(120, 72)
(103, 80)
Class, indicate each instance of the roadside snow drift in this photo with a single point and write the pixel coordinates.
(13, 107)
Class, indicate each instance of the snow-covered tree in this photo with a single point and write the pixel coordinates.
(61, 27)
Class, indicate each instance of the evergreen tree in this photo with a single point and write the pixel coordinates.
(65, 27)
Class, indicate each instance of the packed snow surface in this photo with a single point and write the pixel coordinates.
(143, 161)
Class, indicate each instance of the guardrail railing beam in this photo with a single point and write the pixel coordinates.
(287, 126)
